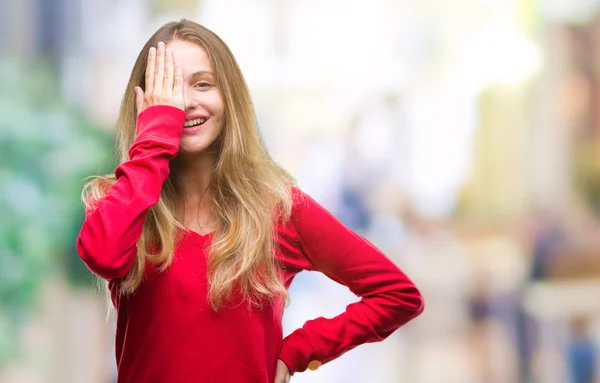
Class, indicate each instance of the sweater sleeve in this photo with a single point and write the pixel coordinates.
(108, 237)
(389, 298)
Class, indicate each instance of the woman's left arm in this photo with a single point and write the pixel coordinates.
(389, 298)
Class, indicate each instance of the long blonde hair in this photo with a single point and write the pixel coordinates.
(250, 192)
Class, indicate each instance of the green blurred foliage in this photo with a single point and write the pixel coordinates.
(47, 148)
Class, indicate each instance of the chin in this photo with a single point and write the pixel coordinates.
(194, 145)
(192, 149)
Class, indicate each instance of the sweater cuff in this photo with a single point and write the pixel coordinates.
(162, 121)
(297, 352)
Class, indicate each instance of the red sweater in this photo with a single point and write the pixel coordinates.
(167, 333)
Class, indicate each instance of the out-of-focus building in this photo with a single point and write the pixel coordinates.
(481, 111)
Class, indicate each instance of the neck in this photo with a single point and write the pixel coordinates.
(193, 175)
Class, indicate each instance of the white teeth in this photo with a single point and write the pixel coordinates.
(194, 122)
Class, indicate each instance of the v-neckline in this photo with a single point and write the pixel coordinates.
(198, 235)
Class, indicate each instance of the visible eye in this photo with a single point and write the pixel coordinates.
(203, 85)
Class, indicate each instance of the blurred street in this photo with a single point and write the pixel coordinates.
(462, 137)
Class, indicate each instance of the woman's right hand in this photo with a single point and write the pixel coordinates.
(164, 81)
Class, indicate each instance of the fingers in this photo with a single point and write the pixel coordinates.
(282, 375)
(164, 80)
(150, 69)
(139, 99)
(160, 69)
(169, 72)
(178, 83)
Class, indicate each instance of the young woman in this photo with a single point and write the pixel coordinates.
(199, 233)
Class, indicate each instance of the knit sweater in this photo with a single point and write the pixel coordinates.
(167, 332)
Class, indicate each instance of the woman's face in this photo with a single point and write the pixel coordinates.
(203, 102)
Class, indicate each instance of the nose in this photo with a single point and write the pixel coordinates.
(189, 100)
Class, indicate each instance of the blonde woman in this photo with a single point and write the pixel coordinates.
(199, 233)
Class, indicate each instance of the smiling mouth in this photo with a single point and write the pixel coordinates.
(194, 122)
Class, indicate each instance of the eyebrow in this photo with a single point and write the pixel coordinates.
(200, 73)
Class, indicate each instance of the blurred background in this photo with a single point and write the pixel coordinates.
(462, 137)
